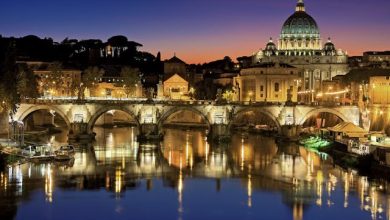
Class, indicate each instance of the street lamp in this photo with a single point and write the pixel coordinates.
(250, 96)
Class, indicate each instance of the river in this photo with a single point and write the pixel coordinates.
(186, 177)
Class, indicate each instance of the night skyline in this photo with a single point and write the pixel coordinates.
(198, 31)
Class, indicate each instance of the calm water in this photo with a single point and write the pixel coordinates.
(185, 177)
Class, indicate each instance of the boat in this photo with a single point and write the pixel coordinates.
(29, 151)
(64, 153)
(69, 149)
(41, 153)
(314, 142)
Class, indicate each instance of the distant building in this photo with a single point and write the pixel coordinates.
(116, 46)
(174, 65)
(49, 87)
(245, 61)
(376, 56)
(225, 79)
(112, 87)
(363, 81)
(379, 59)
(355, 62)
(300, 45)
(176, 87)
(270, 82)
(379, 90)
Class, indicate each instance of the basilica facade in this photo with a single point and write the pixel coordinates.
(300, 45)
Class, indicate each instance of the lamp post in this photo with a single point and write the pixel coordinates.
(373, 93)
(330, 88)
(250, 96)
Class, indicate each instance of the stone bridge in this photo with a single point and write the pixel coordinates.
(151, 115)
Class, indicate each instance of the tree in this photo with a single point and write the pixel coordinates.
(9, 97)
(130, 78)
(27, 85)
(52, 81)
(206, 89)
(228, 95)
(89, 80)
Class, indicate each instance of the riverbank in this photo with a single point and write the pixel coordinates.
(365, 164)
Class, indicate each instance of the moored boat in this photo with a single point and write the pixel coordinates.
(64, 153)
(39, 153)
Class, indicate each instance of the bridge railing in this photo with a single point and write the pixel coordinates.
(57, 101)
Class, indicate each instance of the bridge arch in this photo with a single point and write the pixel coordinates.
(322, 110)
(174, 110)
(265, 112)
(101, 111)
(32, 109)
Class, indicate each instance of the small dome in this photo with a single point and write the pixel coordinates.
(270, 45)
(270, 48)
(329, 46)
(330, 49)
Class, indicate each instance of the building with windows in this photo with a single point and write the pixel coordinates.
(267, 82)
(300, 45)
(379, 90)
(117, 46)
(176, 87)
(377, 58)
(114, 87)
(63, 84)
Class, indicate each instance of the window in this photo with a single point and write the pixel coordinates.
(261, 88)
(175, 89)
(276, 87)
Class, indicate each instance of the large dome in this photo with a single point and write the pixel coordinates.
(300, 33)
(300, 25)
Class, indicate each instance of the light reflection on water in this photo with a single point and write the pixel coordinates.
(252, 177)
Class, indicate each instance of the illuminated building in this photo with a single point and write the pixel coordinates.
(300, 45)
(377, 58)
(379, 90)
(117, 46)
(176, 87)
(272, 82)
(48, 86)
(112, 87)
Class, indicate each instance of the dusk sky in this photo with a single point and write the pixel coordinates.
(198, 31)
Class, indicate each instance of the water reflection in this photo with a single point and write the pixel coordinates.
(251, 168)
